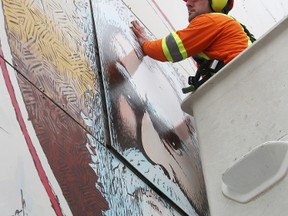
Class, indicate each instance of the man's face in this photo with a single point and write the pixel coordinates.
(197, 7)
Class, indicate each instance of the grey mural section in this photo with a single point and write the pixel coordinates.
(125, 193)
(147, 125)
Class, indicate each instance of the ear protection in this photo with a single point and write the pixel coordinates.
(222, 6)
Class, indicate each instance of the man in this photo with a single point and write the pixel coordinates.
(212, 38)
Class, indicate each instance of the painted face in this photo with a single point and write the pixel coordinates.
(197, 7)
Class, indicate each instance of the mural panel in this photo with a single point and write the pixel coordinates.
(52, 48)
(91, 179)
(22, 192)
(148, 127)
(52, 45)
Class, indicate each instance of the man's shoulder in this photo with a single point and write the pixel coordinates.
(215, 16)
(217, 20)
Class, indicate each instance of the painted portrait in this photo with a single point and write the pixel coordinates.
(148, 128)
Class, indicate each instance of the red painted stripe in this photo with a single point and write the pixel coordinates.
(37, 162)
(162, 13)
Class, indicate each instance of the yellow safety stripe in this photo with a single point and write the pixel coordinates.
(166, 50)
(180, 45)
(203, 55)
(173, 48)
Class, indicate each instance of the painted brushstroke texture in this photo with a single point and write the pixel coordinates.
(52, 44)
(147, 125)
(52, 48)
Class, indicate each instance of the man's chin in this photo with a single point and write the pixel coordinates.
(191, 16)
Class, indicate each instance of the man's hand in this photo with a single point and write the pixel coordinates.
(139, 32)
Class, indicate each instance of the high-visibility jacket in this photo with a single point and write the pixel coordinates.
(213, 35)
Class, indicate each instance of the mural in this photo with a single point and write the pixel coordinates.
(148, 127)
(90, 179)
(22, 191)
(52, 44)
(52, 47)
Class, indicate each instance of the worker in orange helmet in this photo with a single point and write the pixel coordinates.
(212, 38)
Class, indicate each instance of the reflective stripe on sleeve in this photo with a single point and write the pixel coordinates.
(203, 55)
(249, 41)
(173, 48)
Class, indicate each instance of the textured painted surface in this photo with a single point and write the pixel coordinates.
(148, 127)
(91, 179)
(22, 170)
(64, 144)
(51, 44)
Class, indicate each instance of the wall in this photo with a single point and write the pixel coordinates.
(88, 125)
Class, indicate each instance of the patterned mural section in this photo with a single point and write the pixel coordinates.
(148, 127)
(52, 44)
(124, 149)
(22, 189)
(87, 176)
